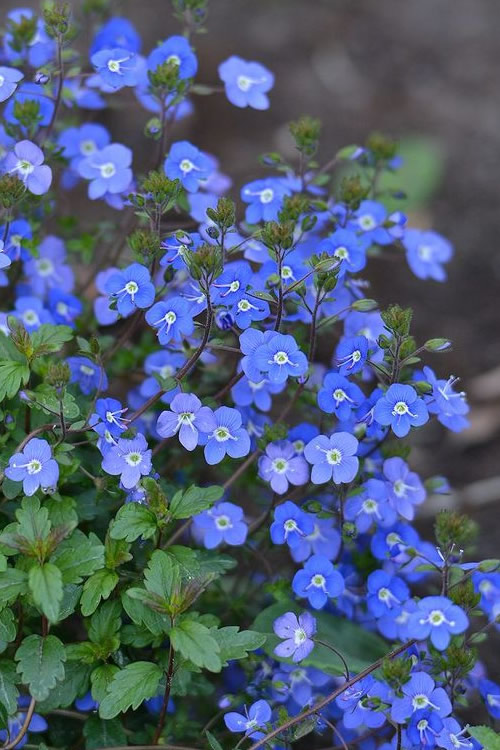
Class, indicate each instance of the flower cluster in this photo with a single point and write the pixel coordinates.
(206, 422)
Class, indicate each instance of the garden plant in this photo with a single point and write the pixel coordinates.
(208, 494)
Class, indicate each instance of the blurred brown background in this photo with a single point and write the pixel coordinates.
(428, 73)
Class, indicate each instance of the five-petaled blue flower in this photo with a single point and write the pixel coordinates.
(131, 287)
(297, 634)
(401, 408)
(131, 459)
(437, 618)
(188, 164)
(34, 467)
(222, 523)
(333, 458)
(280, 357)
(246, 83)
(318, 581)
(187, 418)
(385, 592)
(108, 412)
(351, 354)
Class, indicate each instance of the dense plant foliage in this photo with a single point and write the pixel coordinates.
(207, 492)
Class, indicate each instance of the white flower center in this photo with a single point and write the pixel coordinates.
(107, 170)
(186, 166)
(267, 195)
(87, 147)
(114, 66)
(299, 636)
(34, 466)
(86, 370)
(244, 83)
(25, 167)
(223, 522)
(318, 581)
(341, 253)
(131, 288)
(221, 434)
(334, 456)
(174, 60)
(133, 458)
(31, 317)
(400, 408)
(45, 267)
(280, 465)
(367, 222)
(425, 252)
(281, 358)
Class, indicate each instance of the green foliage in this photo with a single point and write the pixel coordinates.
(129, 688)
(41, 664)
(489, 739)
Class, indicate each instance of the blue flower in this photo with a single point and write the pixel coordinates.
(5, 261)
(419, 693)
(281, 466)
(16, 722)
(297, 634)
(108, 411)
(333, 458)
(228, 436)
(370, 219)
(37, 50)
(391, 543)
(347, 248)
(188, 164)
(451, 737)
(256, 717)
(246, 392)
(450, 407)
(401, 408)
(250, 341)
(246, 83)
(14, 234)
(34, 467)
(87, 374)
(9, 79)
(280, 357)
(405, 487)
(224, 523)
(131, 459)
(175, 50)
(29, 92)
(425, 253)
(117, 32)
(108, 170)
(424, 728)
(31, 312)
(290, 524)
(438, 618)
(351, 354)
(132, 288)
(490, 692)
(370, 506)
(265, 198)
(318, 581)
(117, 67)
(385, 592)
(323, 540)
(49, 270)
(232, 283)
(187, 417)
(26, 162)
(339, 396)
(80, 143)
(358, 704)
(65, 308)
(172, 319)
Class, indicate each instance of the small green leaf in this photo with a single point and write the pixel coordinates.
(41, 664)
(79, 556)
(101, 733)
(13, 375)
(196, 643)
(162, 576)
(132, 521)
(13, 582)
(234, 644)
(106, 622)
(74, 685)
(212, 741)
(7, 626)
(488, 738)
(101, 679)
(49, 338)
(130, 687)
(98, 586)
(45, 582)
(194, 500)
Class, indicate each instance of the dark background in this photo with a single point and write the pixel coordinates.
(425, 69)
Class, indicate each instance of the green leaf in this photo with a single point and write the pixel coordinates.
(4, 717)
(488, 738)
(359, 647)
(44, 398)
(194, 500)
(8, 689)
(130, 687)
(101, 733)
(98, 586)
(214, 743)
(74, 685)
(79, 556)
(13, 582)
(162, 576)
(45, 582)
(234, 644)
(41, 664)
(7, 626)
(196, 643)
(132, 521)
(101, 679)
(49, 338)
(106, 622)
(13, 375)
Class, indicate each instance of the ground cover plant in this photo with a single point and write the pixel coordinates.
(208, 493)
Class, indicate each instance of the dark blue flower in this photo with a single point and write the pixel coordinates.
(172, 319)
(297, 634)
(175, 50)
(290, 525)
(130, 459)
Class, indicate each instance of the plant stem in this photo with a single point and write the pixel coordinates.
(166, 696)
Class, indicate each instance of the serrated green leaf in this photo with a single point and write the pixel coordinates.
(359, 647)
(101, 733)
(45, 582)
(235, 644)
(13, 582)
(106, 622)
(129, 688)
(101, 679)
(98, 586)
(44, 398)
(13, 375)
(41, 664)
(50, 338)
(132, 521)
(162, 576)
(7, 626)
(74, 684)
(79, 556)
(488, 738)
(195, 642)
(194, 500)
(8, 689)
